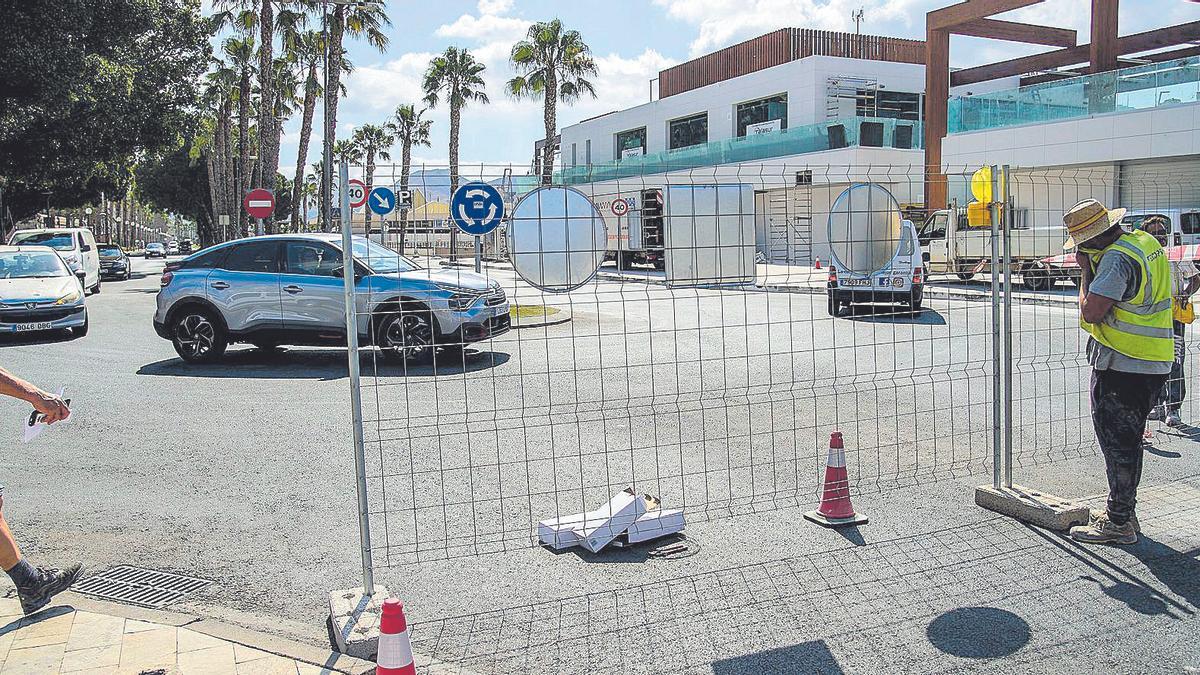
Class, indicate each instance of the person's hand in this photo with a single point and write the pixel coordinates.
(54, 408)
(1083, 260)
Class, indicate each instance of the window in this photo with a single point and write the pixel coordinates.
(688, 131)
(631, 143)
(762, 116)
(59, 241)
(313, 258)
(208, 260)
(258, 256)
(899, 105)
(934, 228)
(1190, 222)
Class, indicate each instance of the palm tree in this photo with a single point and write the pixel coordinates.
(552, 63)
(309, 189)
(241, 53)
(306, 52)
(457, 76)
(410, 130)
(367, 21)
(374, 141)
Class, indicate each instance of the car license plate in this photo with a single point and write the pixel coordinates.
(25, 327)
(856, 282)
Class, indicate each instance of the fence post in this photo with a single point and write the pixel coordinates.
(997, 337)
(1006, 223)
(360, 465)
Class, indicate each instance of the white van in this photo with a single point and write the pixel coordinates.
(901, 281)
(1184, 223)
(76, 246)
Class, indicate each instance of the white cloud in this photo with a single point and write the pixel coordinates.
(379, 88)
(495, 7)
(485, 27)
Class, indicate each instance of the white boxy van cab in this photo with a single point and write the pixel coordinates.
(876, 257)
(76, 246)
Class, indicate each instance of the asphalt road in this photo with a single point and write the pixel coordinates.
(718, 401)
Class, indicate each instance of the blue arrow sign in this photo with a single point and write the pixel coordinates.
(477, 208)
(382, 200)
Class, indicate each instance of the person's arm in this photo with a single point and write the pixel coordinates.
(1193, 281)
(1092, 307)
(53, 407)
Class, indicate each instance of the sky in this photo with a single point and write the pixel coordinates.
(631, 41)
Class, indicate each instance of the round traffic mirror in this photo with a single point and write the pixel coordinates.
(556, 239)
(864, 228)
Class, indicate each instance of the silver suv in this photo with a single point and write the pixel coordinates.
(287, 289)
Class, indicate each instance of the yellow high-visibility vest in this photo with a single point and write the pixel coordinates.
(1140, 327)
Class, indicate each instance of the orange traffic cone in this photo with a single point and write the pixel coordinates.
(395, 655)
(818, 265)
(835, 509)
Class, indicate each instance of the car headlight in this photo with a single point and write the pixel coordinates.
(461, 301)
(68, 298)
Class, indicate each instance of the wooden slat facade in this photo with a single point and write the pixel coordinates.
(782, 46)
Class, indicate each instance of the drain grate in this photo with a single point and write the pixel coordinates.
(140, 586)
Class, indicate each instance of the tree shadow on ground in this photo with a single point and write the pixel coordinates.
(322, 364)
(809, 657)
(978, 632)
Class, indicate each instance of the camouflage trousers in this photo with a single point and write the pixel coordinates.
(1120, 404)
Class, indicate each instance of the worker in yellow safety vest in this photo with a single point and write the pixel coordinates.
(1125, 306)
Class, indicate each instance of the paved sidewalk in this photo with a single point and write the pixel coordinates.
(62, 639)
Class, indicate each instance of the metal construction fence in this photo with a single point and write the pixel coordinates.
(683, 334)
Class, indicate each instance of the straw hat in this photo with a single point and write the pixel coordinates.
(1088, 219)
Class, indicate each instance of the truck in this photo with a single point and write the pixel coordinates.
(953, 246)
(635, 227)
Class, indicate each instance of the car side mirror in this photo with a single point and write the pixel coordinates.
(85, 248)
(81, 275)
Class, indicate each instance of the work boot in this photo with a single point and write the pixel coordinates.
(1173, 419)
(1096, 513)
(50, 583)
(1104, 531)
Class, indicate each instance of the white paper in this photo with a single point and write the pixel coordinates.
(32, 431)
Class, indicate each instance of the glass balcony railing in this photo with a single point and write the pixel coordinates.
(1139, 88)
(828, 135)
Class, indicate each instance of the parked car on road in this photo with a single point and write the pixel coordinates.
(187, 246)
(156, 250)
(114, 262)
(288, 290)
(172, 248)
(76, 245)
(38, 292)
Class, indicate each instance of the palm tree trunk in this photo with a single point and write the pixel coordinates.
(550, 117)
(266, 107)
(243, 180)
(310, 106)
(334, 67)
(405, 164)
(455, 118)
(370, 180)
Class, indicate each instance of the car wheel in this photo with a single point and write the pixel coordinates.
(129, 272)
(1035, 279)
(197, 336)
(406, 337)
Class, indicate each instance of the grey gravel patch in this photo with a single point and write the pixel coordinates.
(140, 586)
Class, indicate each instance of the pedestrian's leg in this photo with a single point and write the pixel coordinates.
(10, 553)
(1177, 385)
(35, 586)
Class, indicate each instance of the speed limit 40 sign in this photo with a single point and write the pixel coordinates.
(358, 193)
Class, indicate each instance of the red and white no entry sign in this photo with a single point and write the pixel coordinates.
(358, 193)
(259, 203)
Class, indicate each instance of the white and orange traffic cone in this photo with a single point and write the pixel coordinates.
(395, 655)
(818, 265)
(835, 509)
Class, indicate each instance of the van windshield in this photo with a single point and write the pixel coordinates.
(60, 241)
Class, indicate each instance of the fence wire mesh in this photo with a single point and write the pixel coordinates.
(708, 358)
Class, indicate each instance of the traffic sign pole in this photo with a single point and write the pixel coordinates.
(478, 253)
(259, 230)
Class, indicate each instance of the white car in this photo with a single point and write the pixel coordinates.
(76, 245)
(172, 248)
(38, 292)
